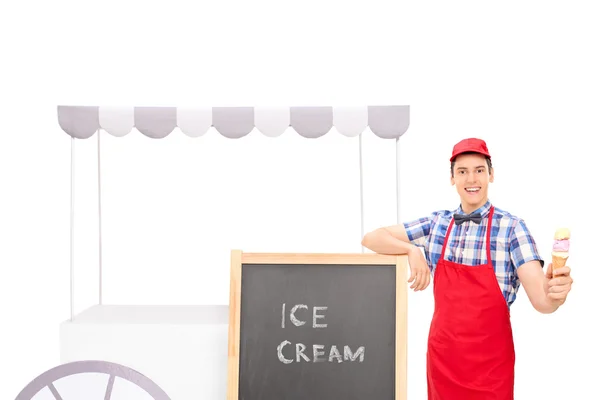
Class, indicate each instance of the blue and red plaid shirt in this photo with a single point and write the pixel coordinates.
(512, 244)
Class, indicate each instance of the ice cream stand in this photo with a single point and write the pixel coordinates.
(176, 352)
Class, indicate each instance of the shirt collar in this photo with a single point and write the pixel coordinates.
(484, 210)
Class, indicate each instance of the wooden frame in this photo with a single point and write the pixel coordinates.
(238, 258)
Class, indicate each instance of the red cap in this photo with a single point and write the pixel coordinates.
(470, 144)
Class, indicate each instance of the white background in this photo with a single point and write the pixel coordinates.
(521, 75)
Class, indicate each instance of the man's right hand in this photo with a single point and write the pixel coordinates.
(420, 276)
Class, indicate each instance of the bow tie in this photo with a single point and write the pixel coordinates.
(460, 218)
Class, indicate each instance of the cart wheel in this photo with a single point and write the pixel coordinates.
(92, 380)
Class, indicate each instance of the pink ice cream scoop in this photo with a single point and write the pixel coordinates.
(561, 245)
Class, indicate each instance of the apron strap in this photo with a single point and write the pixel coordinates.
(488, 235)
(446, 238)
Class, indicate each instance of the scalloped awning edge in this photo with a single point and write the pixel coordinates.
(387, 122)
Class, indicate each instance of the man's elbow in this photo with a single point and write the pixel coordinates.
(375, 239)
(369, 238)
(545, 307)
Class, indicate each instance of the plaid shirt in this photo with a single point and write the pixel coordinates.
(511, 243)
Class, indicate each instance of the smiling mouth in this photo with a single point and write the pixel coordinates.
(472, 189)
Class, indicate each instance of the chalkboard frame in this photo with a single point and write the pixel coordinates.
(240, 260)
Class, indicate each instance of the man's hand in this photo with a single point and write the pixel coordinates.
(420, 275)
(559, 284)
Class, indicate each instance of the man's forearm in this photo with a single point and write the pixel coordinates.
(383, 242)
(535, 283)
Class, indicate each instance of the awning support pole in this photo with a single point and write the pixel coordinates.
(72, 229)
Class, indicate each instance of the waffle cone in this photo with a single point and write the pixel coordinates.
(559, 259)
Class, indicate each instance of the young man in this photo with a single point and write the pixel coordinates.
(478, 255)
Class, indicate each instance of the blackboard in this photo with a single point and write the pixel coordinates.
(317, 326)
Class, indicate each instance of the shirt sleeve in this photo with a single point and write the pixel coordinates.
(418, 230)
(522, 246)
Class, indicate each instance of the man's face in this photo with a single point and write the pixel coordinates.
(471, 177)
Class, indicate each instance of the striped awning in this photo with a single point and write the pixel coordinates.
(81, 122)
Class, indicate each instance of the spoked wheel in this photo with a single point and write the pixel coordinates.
(92, 379)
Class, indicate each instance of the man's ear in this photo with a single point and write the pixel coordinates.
(451, 180)
(491, 174)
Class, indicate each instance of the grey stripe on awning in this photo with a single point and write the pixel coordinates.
(387, 122)
(233, 122)
(155, 122)
(81, 122)
(311, 122)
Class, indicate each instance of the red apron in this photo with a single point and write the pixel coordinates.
(470, 352)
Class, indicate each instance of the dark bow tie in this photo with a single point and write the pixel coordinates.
(460, 218)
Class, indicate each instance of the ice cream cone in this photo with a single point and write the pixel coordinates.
(559, 259)
(560, 248)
